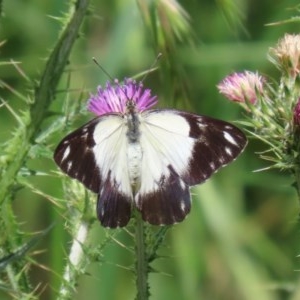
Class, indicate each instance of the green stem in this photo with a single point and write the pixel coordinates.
(141, 260)
(296, 293)
(44, 95)
(297, 182)
(17, 279)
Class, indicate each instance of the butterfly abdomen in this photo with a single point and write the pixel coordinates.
(134, 159)
(134, 149)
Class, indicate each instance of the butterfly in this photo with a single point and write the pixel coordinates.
(134, 157)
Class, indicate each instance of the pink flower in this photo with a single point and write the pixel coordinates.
(113, 99)
(242, 87)
(296, 114)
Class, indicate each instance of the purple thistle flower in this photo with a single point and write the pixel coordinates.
(113, 99)
(242, 87)
(296, 114)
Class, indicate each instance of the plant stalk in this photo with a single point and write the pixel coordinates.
(141, 260)
(296, 293)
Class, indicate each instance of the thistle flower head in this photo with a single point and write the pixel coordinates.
(296, 113)
(113, 98)
(242, 87)
(287, 54)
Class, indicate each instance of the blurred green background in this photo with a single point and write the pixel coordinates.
(241, 240)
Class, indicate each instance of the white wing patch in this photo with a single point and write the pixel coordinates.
(66, 153)
(165, 142)
(229, 138)
(110, 152)
(228, 151)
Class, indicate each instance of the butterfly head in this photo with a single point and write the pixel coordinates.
(121, 97)
(131, 105)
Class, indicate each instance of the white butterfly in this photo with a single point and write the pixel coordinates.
(132, 156)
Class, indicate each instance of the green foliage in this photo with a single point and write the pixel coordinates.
(241, 239)
(18, 147)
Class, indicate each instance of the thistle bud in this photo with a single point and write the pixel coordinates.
(286, 54)
(296, 114)
(242, 87)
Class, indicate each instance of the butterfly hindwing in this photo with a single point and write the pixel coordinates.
(169, 203)
(113, 207)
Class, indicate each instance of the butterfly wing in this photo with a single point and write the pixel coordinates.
(75, 156)
(95, 154)
(179, 150)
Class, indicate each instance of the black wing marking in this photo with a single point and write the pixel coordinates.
(74, 155)
(217, 143)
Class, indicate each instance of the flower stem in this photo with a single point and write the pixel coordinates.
(141, 260)
(296, 293)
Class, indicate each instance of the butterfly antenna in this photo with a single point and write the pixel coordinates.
(159, 55)
(102, 69)
(108, 75)
(143, 79)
